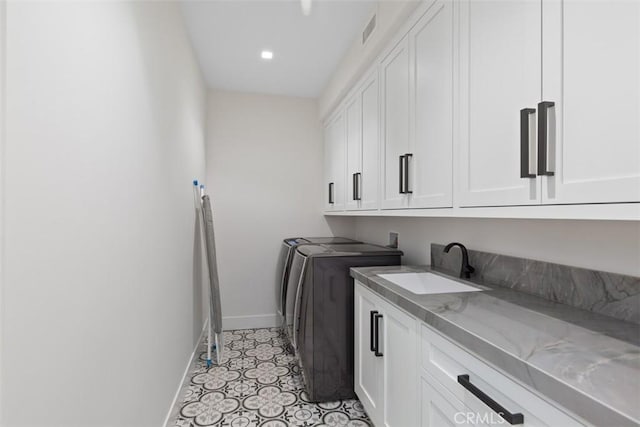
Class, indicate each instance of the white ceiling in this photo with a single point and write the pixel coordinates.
(228, 36)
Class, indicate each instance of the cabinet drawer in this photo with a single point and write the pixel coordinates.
(440, 408)
(445, 361)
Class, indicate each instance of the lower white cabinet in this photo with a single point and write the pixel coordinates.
(397, 331)
(407, 374)
(368, 383)
(438, 407)
(467, 382)
(385, 361)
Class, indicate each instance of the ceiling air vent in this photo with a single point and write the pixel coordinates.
(368, 30)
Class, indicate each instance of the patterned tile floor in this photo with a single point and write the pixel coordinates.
(258, 383)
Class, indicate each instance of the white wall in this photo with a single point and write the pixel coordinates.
(105, 132)
(601, 245)
(390, 15)
(264, 174)
(3, 28)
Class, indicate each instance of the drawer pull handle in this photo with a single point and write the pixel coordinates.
(401, 178)
(512, 419)
(406, 173)
(543, 127)
(524, 143)
(372, 329)
(377, 341)
(353, 187)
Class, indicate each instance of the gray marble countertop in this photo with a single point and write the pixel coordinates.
(585, 362)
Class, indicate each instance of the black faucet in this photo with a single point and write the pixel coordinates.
(465, 269)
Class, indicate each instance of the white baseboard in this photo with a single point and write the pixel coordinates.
(175, 406)
(249, 322)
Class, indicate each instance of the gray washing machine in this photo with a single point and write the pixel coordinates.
(284, 264)
(319, 313)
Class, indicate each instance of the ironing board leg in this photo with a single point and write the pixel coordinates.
(209, 344)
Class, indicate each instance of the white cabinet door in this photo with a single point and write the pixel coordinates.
(339, 163)
(386, 365)
(400, 373)
(328, 167)
(362, 122)
(353, 114)
(500, 74)
(368, 367)
(335, 167)
(431, 142)
(394, 75)
(369, 179)
(592, 74)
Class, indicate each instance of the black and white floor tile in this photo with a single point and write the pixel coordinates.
(258, 383)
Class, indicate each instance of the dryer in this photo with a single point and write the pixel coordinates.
(319, 314)
(284, 264)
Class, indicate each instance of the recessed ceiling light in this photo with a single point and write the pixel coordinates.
(266, 54)
(306, 7)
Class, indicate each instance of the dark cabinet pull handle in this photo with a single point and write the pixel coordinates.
(512, 419)
(354, 191)
(543, 122)
(372, 329)
(406, 173)
(400, 168)
(358, 185)
(524, 143)
(377, 336)
(331, 193)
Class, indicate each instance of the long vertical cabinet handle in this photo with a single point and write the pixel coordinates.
(525, 143)
(372, 329)
(406, 173)
(357, 183)
(543, 124)
(354, 185)
(376, 351)
(331, 193)
(401, 178)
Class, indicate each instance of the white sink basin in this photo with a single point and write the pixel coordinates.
(427, 283)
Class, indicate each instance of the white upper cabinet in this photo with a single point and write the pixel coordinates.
(362, 115)
(417, 105)
(328, 169)
(431, 139)
(353, 113)
(500, 74)
(592, 75)
(394, 75)
(532, 105)
(574, 68)
(370, 177)
(335, 168)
